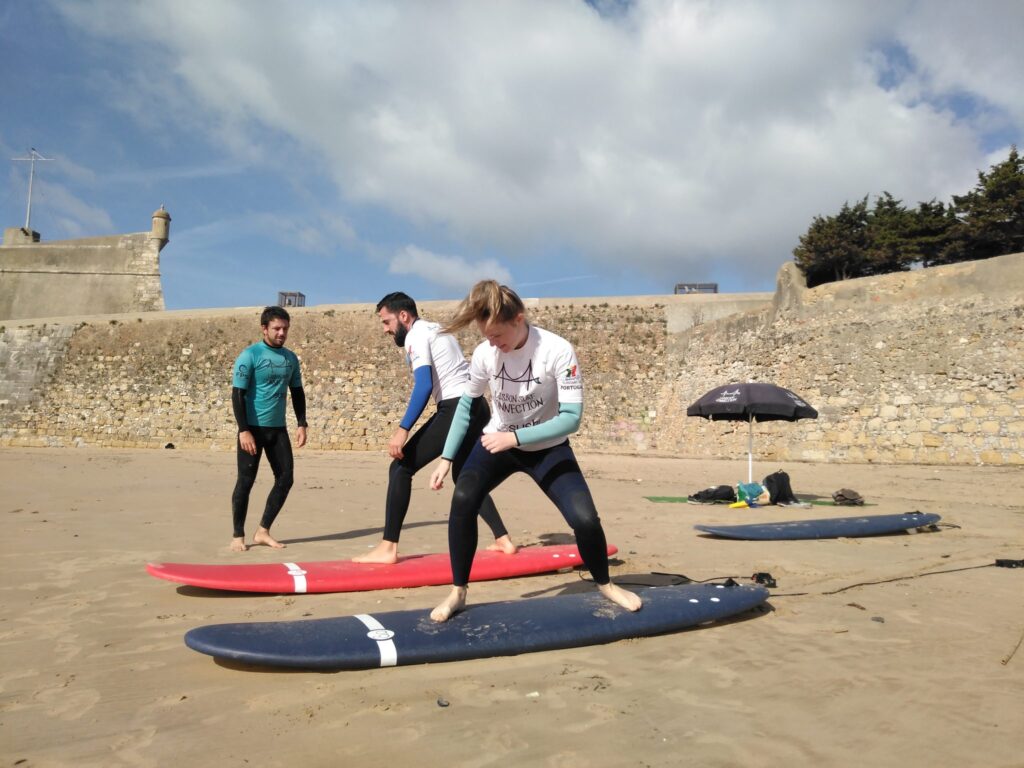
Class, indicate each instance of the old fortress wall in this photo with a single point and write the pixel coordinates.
(918, 367)
(93, 275)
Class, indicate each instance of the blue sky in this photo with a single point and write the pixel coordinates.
(347, 149)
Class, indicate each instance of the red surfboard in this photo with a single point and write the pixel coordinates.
(346, 576)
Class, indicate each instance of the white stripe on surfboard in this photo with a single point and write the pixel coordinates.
(298, 575)
(385, 643)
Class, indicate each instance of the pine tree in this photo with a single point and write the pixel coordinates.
(933, 228)
(890, 246)
(834, 246)
(991, 215)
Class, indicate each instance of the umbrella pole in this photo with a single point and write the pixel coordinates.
(750, 449)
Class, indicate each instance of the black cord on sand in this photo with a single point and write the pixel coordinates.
(905, 578)
(684, 579)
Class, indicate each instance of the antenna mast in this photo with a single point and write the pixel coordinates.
(32, 157)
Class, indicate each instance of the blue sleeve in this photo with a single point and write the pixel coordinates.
(564, 424)
(423, 385)
(457, 431)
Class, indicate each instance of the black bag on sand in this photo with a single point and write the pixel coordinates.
(779, 489)
(716, 494)
(844, 497)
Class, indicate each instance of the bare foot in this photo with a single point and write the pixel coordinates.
(504, 544)
(386, 552)
(628, 600)
(262, 536)
(237, 544)
(454, 603)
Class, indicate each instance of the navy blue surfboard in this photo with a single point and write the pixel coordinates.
(399, 638)
(826, 528)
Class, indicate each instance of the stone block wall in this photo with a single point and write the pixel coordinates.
(153, 379)
(920, 367)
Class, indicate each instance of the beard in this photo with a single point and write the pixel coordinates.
(400, 335)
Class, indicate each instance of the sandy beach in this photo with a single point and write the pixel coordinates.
(914, 672)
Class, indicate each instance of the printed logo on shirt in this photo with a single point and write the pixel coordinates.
(279, 372)
(520, 401)
(526, 377)
(571, 379)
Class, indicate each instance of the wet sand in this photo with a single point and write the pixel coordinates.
(906, 673)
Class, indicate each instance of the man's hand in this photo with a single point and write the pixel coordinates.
(496, 442)
(397, 441)
(300, 437)
(439, 474)
(248, 442)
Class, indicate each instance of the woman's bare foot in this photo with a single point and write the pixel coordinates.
(262, 536)
(237, 544)
(628, 600)
(454, 603)
(504, 544)
(386, 552)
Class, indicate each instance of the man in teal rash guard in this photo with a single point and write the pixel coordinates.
(263, 374)
(440, 370)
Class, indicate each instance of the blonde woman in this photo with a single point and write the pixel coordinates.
(537, 402)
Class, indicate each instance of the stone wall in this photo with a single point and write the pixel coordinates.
(921, 367)
(89, 276)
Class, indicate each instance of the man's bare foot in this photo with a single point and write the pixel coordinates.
(237, 544)
(386, 552)
(628, 600)
(262, 536)
(454, 603)
(504, 544)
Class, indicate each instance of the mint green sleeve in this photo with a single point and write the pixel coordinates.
(564, 424)
(457, 431)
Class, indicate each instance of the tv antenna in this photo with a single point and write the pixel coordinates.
(32, 157)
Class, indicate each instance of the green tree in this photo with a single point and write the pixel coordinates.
(834, 247)
(991, 216)
(933, 228)
(889, 234)
(987, 221)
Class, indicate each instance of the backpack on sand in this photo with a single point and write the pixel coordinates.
(779, 489)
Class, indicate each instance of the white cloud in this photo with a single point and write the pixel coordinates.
(451, 273)
(675, 136)
(971, 48)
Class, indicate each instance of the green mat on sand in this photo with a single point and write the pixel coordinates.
(684, 499)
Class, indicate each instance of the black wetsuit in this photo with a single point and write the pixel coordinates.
(421, 449)
(557, 473)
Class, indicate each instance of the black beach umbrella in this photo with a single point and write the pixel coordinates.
(750, 402)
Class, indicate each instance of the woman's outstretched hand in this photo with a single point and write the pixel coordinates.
(439, 474)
